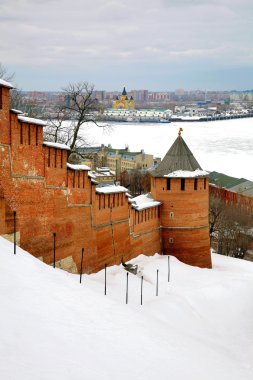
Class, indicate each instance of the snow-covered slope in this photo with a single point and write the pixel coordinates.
(199, 327)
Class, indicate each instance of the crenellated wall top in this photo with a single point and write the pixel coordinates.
(4, 83)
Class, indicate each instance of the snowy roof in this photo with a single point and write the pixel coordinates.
(187, 173)
(78, 167)
(245, 188)
(31, 120)
(111, 189)
(3, 83)
(236, 185)
(16, 111)
(92, 175)
(103, 169)
(223, 180)
(143, 201)
(179, 157)
(104, 174)
(56, 145)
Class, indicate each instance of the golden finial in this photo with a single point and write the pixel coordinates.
(179, 132)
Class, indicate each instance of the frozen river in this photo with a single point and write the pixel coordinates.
(225, 146)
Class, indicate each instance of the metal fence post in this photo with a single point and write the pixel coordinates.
(141, 288)
(54, 236)
(168, 268)
(14, 232)
(105, 279)
(157, 282)
(127, 289)
(81, 271)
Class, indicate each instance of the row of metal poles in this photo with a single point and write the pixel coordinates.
(81, 270)
(157, 282)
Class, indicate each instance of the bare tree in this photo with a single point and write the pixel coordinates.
(70, 117)
(17, 99)
(4, 74)
(229, 227)
(216, 211)
(28, 106)
(136, 180)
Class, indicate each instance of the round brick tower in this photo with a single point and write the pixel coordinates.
(182, 187)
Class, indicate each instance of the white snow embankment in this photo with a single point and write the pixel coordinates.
(54, 328)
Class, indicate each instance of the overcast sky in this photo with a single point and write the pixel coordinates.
(143, 44)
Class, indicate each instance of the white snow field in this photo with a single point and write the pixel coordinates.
(199, 327)
(224, 146)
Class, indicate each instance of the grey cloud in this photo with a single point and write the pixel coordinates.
(131, 32)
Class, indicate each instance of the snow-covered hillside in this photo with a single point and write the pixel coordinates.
(199, 327)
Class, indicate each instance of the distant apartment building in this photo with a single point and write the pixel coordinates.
(139, 95)
(179, 92)
(99, 95)
(158, 96)
(129, 160)
(246, 96)
(118, 160)
(103, 175)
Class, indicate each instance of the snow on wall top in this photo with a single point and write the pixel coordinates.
(78, 167)
(56, 145)
(187, 173)
(31, 120)
(101, 174)
(4, 83)
(111, 189)
(16, 111)
(143, 201)
(91, 175)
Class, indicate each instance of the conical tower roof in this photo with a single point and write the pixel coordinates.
(179, 157)
(124, 91)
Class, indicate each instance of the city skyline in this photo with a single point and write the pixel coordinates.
(161, 45)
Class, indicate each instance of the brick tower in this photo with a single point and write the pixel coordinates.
(182, 187)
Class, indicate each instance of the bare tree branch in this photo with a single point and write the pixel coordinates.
(229, 226)
(4, 74)
(71, 116)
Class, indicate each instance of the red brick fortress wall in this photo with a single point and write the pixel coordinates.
(240, 200)
(50, 197)
(53, 197)
(45, 205)
(145, 233)
(111, 223)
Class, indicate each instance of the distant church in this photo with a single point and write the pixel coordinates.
(123, 101)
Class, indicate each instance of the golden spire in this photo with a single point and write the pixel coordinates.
(179, 132)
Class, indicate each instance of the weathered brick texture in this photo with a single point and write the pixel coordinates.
(184, 219)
